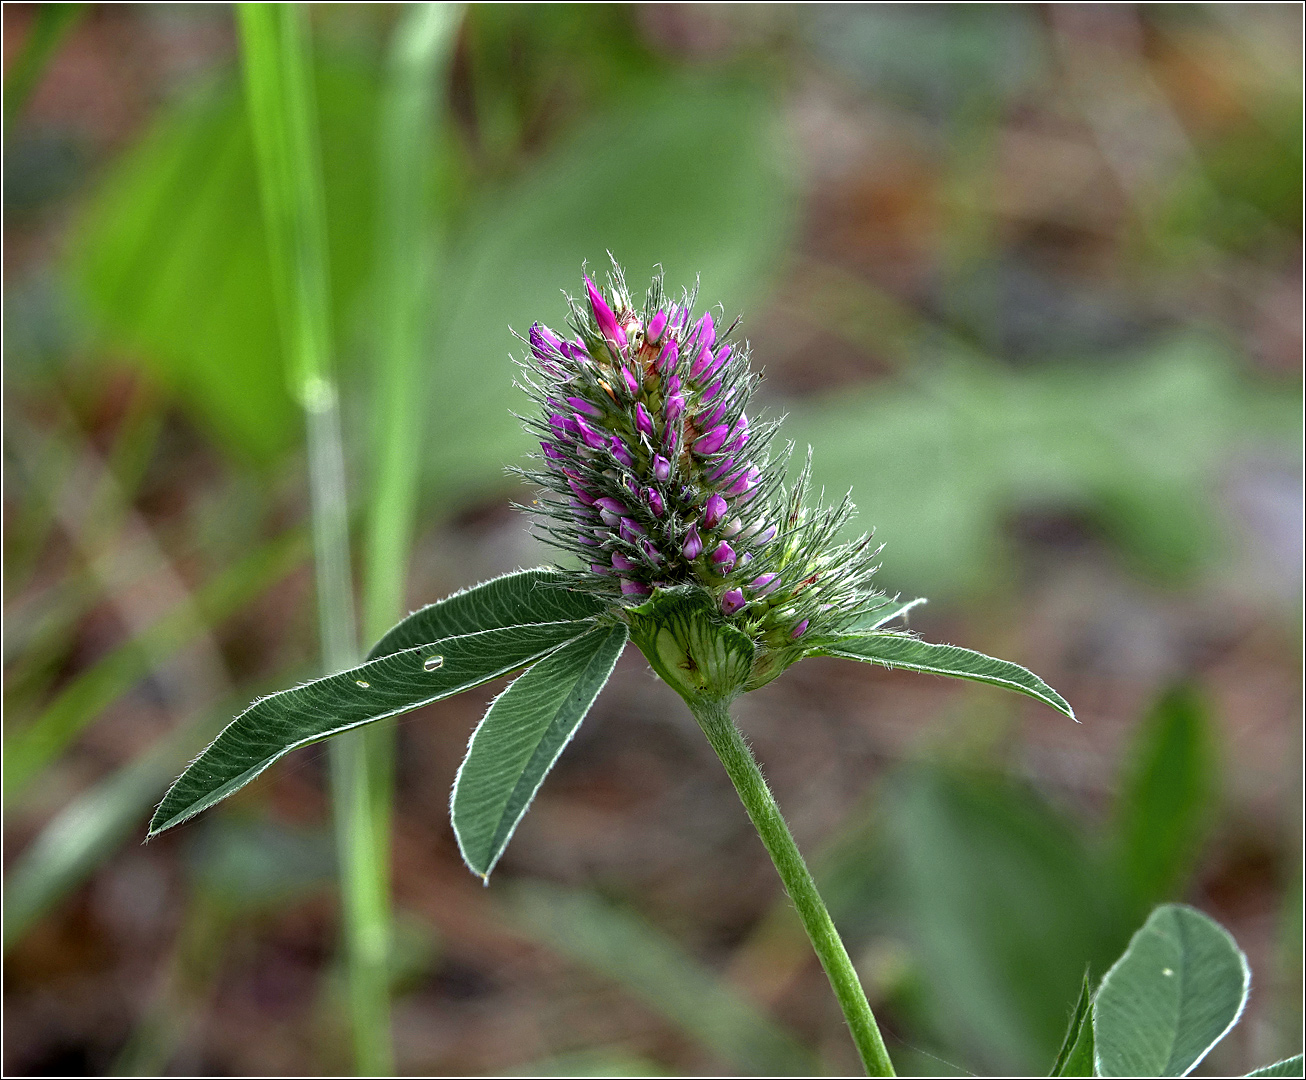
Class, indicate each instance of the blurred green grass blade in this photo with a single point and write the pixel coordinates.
(412, 106)
(1165, 797)
(48, 28)
(275, 725)
(897, 650)
(1075, 1058)
(524, 596)
(1287, 1067)
(30, 749)
(519, 739)
(1002, 903)
(598, 1061)
(622, 946)
(87, 831)
(1175, 993)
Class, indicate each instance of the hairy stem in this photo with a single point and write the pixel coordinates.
(714, 718)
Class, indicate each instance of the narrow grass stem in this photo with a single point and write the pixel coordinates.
(742, 768)
(279, 95)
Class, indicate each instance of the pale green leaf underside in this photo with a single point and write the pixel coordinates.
(524, 596)
(1075, 1057)
(898, 650)
(520, 738)
(1287, 1067)
(1175, 993)
(881, 616)
(273, 726)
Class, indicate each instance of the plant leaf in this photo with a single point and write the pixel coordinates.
(1165, 798)
(897, 650)
(885, 614)
(1075, 1058)
(1287, 1067)
(273, 726)
(515, 745)
(516, 599)
(1175, 993)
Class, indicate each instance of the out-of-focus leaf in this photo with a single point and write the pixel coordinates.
(1287, 1067)
(29, 749)
(244, 864)
(1165, 800)
(897, 650)
(622, 946)
(707, 192)
(171, 258)
(1075, 1057)
(48, 28)
(940, 464)
(525, 596)
(1175, 993)
(1004, 906)
(87, 831)
(275, 725)
(521, 736)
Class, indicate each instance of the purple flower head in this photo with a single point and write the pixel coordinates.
(656, 478)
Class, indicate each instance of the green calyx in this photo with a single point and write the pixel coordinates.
(697, 651)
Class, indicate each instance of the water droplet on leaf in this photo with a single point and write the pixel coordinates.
(364, 685)
(433, 662)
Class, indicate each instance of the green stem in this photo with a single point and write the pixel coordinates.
(714, 718)
(283, 119)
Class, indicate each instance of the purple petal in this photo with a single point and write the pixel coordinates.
(744, 481)
(693, 545)
(634, 588)
(668, 358)
(581, 492)
(731, 601)
(671, 438)
(655, 327)
(765, 536)
(713, 416)
(620, 452)
(661, 467)
(722, 469)
(712, 441)
(714, 511)
(723, 557)
(582, 406)
(650, 552)
(621, 562)
(628, 377)
(599, 568)
(615, 506)
(591, 438)
(705, 331)
(544, 342)
(553, 453)
(765, 584)
(655, 503)
(643, 421)
(563, 426)
(630, 531)
(675, 406)
(701, 361)
(712, 391)
(799, 630)
(718, 363)
(602, 313)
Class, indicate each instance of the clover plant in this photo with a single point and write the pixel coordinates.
(682, 535)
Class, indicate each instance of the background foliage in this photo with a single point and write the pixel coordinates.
(1028, 281)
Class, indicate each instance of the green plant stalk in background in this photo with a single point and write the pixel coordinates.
(282, 115)
(405, 257)
(713, 717)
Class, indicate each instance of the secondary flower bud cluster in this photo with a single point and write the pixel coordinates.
(659, 477)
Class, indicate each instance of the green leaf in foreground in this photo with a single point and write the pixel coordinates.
(1175, 993)
(273, 726)
(524, 596)
(520, 738)
(897, 650)
(1075, 1058)
(1287, 1067)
